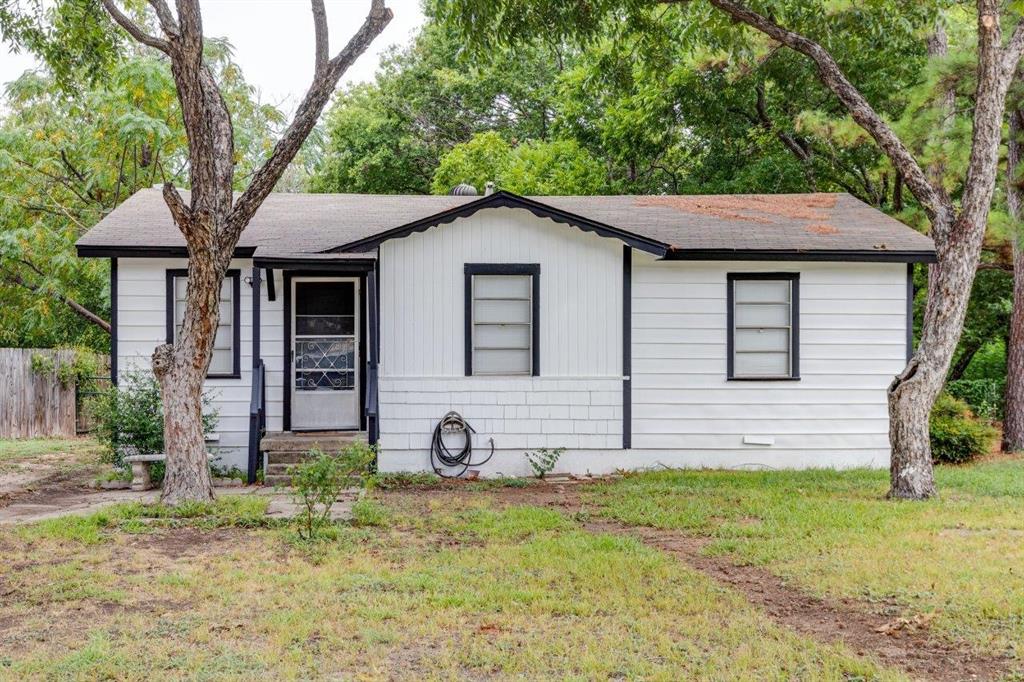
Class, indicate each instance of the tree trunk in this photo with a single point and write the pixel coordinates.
(187, 477)
(1013, 422)
(181, 370)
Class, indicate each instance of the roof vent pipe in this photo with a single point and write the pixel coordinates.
(463, 189)
(488, 188)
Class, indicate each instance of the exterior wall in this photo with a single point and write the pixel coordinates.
(141, 327)
(852, 343)
(684, 411)
(576, 403)
(272, 349)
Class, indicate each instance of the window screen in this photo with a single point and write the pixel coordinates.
(502, 328)
(223, 361)
(763, 327)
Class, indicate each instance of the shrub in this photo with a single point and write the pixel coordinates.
(985, 396)
(543, 460)
(130, 417)
(319, 480)
(957, 436)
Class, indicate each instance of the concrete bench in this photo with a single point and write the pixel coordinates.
(141, 464)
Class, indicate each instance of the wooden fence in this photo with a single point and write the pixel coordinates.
(36, 403)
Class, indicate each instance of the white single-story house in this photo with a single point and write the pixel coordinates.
(633, 331)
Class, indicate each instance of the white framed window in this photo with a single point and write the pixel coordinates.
(226, 361)
(764, 326)
(501, 319)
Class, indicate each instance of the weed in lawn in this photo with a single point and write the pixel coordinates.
(368, 512)
(400, 479)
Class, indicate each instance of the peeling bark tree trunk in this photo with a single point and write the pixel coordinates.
(1013, 422)
(212, 221)
(958, 235)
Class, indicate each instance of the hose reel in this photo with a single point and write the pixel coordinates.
(442, 458)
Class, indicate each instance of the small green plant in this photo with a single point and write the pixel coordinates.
(957, 436)
(319, 480)
(543, 460)
(130, 418)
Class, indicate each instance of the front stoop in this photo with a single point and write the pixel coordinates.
(284, 449)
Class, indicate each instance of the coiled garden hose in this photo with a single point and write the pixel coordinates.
(442, 458)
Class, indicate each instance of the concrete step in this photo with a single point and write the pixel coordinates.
(328, 441)
(288, 456)
(277, 480)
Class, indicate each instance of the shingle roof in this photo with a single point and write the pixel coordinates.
(293, 225)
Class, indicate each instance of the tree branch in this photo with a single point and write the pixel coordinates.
(167, 21)
(134, 30)
(305, 119)
(938, 209)
(181, 213)
(320, 28)
(15, 279)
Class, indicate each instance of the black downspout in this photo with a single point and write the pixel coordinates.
(372, 350)
(113, 321)
(627, 347)
(258, 401)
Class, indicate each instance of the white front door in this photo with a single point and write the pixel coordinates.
(325, 353)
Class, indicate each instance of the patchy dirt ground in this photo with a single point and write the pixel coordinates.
(45, 469)
(902, 643)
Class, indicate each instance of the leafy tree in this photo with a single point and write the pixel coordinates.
(535, 167)
(67, 158)
(389, 137)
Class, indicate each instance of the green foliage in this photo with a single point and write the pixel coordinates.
(543, 460)
(986, 397)
(83, 367)
(534, 168)
(68, 157)
(957, 436)
(130, 417)
(320, 480)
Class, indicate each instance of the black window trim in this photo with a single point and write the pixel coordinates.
(532, 269)
(235, 276)
(794, 322)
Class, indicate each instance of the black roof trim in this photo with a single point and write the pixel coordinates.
(834, 255)
(93, 251)
(501, 198)
(298, 263)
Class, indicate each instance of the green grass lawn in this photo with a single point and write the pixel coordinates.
(450, 584)
(960, 557)
(467, 590)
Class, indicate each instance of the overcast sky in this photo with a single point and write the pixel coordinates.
(273, 41)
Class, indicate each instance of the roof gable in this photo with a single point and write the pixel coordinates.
(503, 199)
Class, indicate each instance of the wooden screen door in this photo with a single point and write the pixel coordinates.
(325, 353)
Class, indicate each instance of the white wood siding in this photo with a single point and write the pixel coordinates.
(580, 301)
(141, 318)
(576, 402)
(852, 342)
